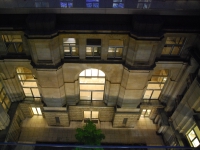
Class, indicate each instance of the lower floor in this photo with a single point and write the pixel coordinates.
(36, 129)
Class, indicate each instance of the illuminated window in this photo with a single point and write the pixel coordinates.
(13, 43)
(4, 100)
(28, 84)
(92, 83)
(118, 3)
(146, 112)
(91, 115)
(92, 3)
(115, 48)
(173, 45)
(70, 47)
(93, 48)
(194, 137)
(155, 85)
(41, 3)
(36, 111)
(144, 4)
(66, 3)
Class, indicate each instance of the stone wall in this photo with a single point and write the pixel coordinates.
(77, 112)
(51, 118)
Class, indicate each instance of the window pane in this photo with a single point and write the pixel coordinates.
(91, 80)
(36, 92)
(63, 4)
(191, 135)
(97, 51)
(70, 5)
(101, 73)
(95, 5)
(34, 110)
(94, 72)
(85, 95)
(89, 51)
(111, 52)
(88, 72)
(29, 84)
(27, 92)
(196, 142)
(176, 50)
(97, 95)
(87, 114)
(166, 50)
(89, 5)
(155, 94)
(155, 86)
(39, 111)
(147, 112)
(118, 52)
(175, 40)
(147, 94)
(74, 51)
(69, 40)
(91, 87)
(95, 114)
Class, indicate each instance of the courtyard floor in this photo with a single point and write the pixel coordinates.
(36, 129)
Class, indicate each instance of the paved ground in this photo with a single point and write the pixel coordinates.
(36, 129)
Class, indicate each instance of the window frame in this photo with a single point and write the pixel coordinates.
(143, 3)
(31, 88)
(9, 43)
(196, 136)
(174, 45)
(116, 3)
(67, 3)
(71, 46)
(93, 43)
(92, 4)
(161, 83)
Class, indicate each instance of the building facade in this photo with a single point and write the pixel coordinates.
(115, 67)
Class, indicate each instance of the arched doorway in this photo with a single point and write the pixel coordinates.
(92, 83)
(28, 84)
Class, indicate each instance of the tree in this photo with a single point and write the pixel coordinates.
(89, 135)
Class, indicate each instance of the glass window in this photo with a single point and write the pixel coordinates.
(118, 3)
(36, 110)
(194, 137)
(155, 84)
(70, 46)
(115, 49)
(13, 43)
(93, 48)
(66, 3)
(41, 3)
(92, 82)
(92, 3)
(144, 4)
(173, 46)
(28, 83)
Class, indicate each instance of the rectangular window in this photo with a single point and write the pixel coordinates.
(173, 46)
(41, 3)
(115, 49)
(66, 3)
(155, 85)
(118, 3)
(70, 47)
(36, 110)
(125, 121)
(93, 48)
(144, 4)
(13, 43)
(194, 137)
(92, 3)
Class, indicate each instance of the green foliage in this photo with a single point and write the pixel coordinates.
(89, 135)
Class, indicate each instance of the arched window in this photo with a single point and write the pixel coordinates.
(92, 82)
(28, 84)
